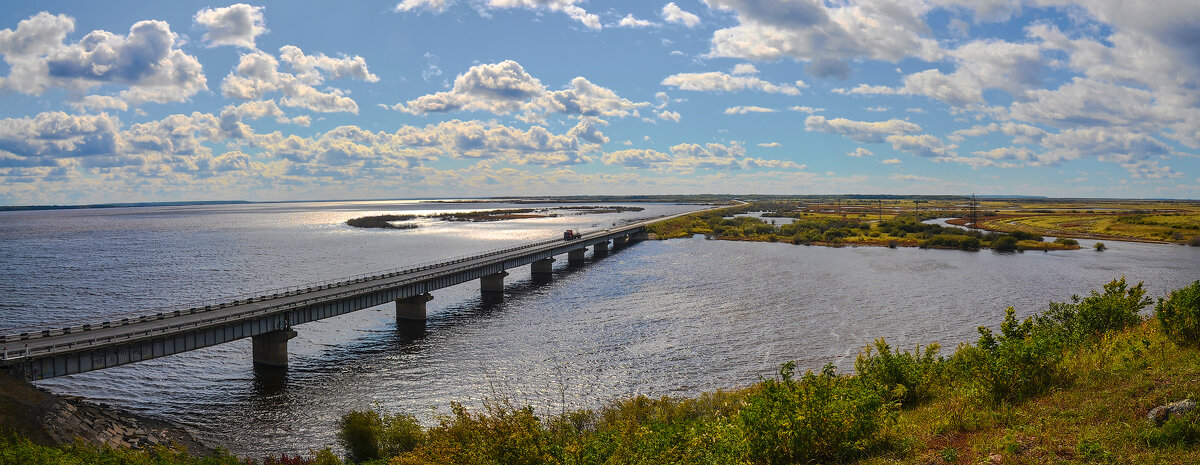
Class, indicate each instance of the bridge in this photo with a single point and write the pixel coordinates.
(269, 319)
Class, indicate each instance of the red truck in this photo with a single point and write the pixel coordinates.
(571, 234)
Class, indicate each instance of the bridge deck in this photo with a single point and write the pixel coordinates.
(83, 348)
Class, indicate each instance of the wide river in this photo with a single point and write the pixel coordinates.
(674, 317)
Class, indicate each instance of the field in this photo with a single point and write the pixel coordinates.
(1131, 220)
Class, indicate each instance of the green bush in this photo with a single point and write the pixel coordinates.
(901, 376)
(1179, 315)
(1115, 308)
(358, 433)
(1017, 364)
(1066, 241)
(820, 417)
(367, 435)
(1005, 244)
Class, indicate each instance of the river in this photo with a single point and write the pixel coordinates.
(674, 317)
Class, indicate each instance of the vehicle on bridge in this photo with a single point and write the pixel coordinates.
(571, 234)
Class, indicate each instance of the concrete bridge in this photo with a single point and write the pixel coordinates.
(270, 319)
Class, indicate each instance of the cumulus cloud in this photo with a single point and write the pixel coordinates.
(721, 82)
(743, 109)
(825, 36)
(668, 115)
(744, 68)
(505, 88)
(890, 161)
(236, 25)
(862, 131)
(630, 21)
(923, 145)
(41, 139)
(860, 152)
(806, 109)
(690, 157)
(672, 13)
(567, 7)
(257, 74)
(437, 6)
(145, 62)
(770, 144)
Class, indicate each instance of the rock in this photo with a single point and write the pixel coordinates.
(1159, 415)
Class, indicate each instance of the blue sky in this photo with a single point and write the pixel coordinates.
(151, 101)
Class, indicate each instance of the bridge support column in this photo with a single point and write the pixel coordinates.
(639, 236)
(493, 284)
(270, 349)
(620, 241)
(575, 257)
(543, 268)
(600, 250)
(412, 309)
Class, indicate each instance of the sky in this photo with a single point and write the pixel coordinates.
(140, 101)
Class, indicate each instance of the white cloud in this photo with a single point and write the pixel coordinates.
(41, 139)
(891, 161)
(668, 115)
(567, 7)
(860, 152)
(744, 68)
(145, 62)
(825, 36)
(258, 74)
(923, 145)
(770, 144)
(504, 88)
(877, 109)
(806, 109)
(436, 6)
(861, 131)
(238, 25)
(744, 109)
(720, 82)
(914, 178)
(672, 13)
(686, 158)
(630, 21)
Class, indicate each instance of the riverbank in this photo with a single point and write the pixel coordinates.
(1074, 384)
(48, 419)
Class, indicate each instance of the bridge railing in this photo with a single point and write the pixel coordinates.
(22, 336)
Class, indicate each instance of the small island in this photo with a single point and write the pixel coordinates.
(388, 221)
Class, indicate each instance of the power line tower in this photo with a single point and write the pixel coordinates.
(974, 212)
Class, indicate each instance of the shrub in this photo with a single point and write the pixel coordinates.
(1005, 244)
(900, 376)
(1099, 246)
(1116, 308)
(1019, 363)
(1179, 315)
(367, 435)
(1066, 241)
(820, 417)
(358, 433)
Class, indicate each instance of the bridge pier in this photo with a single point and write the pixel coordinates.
(412, 309)
(639, 236)
(576, 256)
(620, 241)
(600, 249)
(270, 349)
(492, 285)
(543, 269)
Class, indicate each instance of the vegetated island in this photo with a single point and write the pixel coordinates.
(388, 221)
(1003, 225)
(1085, 381)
